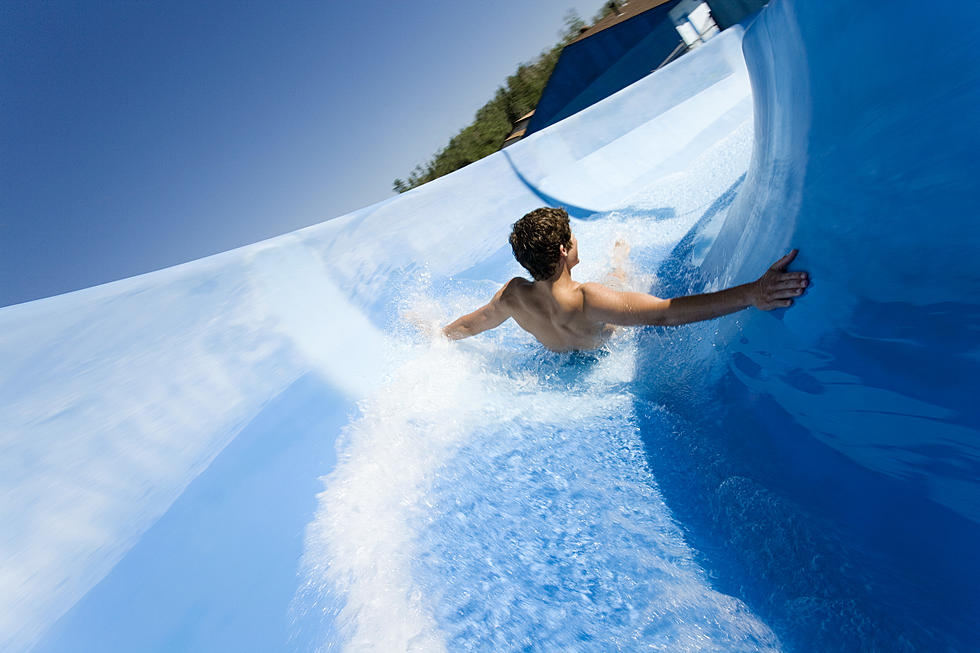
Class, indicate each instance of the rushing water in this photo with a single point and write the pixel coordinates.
(495, 495)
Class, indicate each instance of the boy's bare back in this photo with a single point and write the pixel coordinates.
(555, 316)
(566, 315)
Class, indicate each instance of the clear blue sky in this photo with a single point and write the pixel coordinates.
(138, 135)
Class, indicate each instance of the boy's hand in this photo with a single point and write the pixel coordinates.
(777, 287)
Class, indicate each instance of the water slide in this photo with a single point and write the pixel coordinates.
(256, 451)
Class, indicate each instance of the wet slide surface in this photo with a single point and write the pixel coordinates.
(255, 451)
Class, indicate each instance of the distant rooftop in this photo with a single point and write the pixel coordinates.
(628, 10)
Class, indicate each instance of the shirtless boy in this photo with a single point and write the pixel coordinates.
(565, 315)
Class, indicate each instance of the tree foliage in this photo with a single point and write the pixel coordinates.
(494, 120)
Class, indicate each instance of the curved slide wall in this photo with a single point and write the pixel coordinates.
(850, 428)
(254, 452)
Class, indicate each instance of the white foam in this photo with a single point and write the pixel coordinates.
(362, 550)
(358, 545)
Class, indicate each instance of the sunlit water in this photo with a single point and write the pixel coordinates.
(496, 496)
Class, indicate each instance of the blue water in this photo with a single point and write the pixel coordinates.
(257, 451)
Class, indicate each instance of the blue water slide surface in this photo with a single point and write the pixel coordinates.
(261, 450)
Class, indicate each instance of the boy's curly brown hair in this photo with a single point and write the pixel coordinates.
(536, 237)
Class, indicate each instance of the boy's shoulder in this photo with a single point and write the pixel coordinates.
(515, 286)
(510, 292)
(592, 289)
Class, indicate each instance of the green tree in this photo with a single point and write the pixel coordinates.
(494, 120)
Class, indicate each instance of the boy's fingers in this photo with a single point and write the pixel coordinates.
(786, 294)
(789, 284)
(786, 260)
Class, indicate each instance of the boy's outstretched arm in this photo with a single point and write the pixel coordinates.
(489, 316)
(774, 289)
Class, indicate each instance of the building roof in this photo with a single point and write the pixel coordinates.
(629, 10)
(516, 136)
